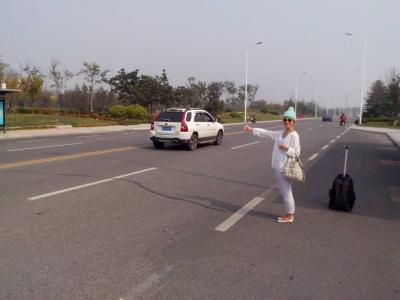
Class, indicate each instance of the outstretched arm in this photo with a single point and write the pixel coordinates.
(260, 132)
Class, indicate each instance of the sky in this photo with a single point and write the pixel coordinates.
(208, 40)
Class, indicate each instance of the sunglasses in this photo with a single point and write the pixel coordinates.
(287, 120)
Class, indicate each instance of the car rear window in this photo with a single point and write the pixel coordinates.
(170, 116)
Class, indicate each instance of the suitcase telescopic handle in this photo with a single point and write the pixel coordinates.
(347, 147)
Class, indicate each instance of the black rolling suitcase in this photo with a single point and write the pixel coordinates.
(342, 195)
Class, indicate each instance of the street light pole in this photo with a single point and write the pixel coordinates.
(363, 80)
(363, 73)
(295, 95)
(316, 101)
(245, 88)
(296, 92)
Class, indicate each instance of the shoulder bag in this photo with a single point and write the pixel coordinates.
(293, 169)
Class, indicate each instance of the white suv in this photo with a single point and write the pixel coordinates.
(185, 126)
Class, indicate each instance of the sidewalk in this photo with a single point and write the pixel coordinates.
(69, 130)
(393, 134)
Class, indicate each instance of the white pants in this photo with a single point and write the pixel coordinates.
(285, 190)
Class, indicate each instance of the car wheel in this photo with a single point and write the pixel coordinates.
(192, 145)
(158, 145)
(218, 139)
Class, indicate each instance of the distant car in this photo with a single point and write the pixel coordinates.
(326, 118)
(185, 126)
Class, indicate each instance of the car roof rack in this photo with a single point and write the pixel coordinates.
(182, 109)
(174, 109)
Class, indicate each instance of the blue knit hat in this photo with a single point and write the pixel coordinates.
(290, 114)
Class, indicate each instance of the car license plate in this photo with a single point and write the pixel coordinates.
(166, 128)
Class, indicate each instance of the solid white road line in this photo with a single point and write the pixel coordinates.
(150, 283)
(245, 145)
(228, 223)
(313, 156)
(41, 147)
(89, 184)
(308, 128)
(29, 141)
(324, 147)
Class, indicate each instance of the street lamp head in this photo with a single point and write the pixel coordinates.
(348, 33)
(259, 43)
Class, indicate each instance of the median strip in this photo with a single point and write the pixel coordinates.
(89, 184)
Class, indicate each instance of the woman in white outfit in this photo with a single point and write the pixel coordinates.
(287, 142)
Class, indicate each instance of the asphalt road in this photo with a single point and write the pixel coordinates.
(106, 216)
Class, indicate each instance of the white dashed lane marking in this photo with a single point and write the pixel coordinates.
(30, 141)
(87, 136)
(245, 145)
(313, 156)
(42, 147)
(228, 223)
(89, 184)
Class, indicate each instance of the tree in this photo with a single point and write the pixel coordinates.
(126, 85)
(33, 83)
(251, 93)
(59, 80)
(93, 75)
(392, 104)
(148, 91)
(3, 68)
(376, 99)
(231, 98)
(166, 91)
(214, 104)
(197, 93)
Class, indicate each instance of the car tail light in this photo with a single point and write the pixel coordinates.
(184, 127)
(152, 122)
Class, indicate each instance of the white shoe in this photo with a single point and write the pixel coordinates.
(286, 220)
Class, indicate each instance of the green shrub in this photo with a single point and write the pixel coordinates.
(95, 115)
(24, 110)
(136, 111)
(382, 119)
(235, 114)
(117, 111)
(274, 112)
(264, 110)
(47, 111)
(130, 122)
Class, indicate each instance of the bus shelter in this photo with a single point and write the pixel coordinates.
(3, 93)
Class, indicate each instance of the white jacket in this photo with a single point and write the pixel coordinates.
(279, 156)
